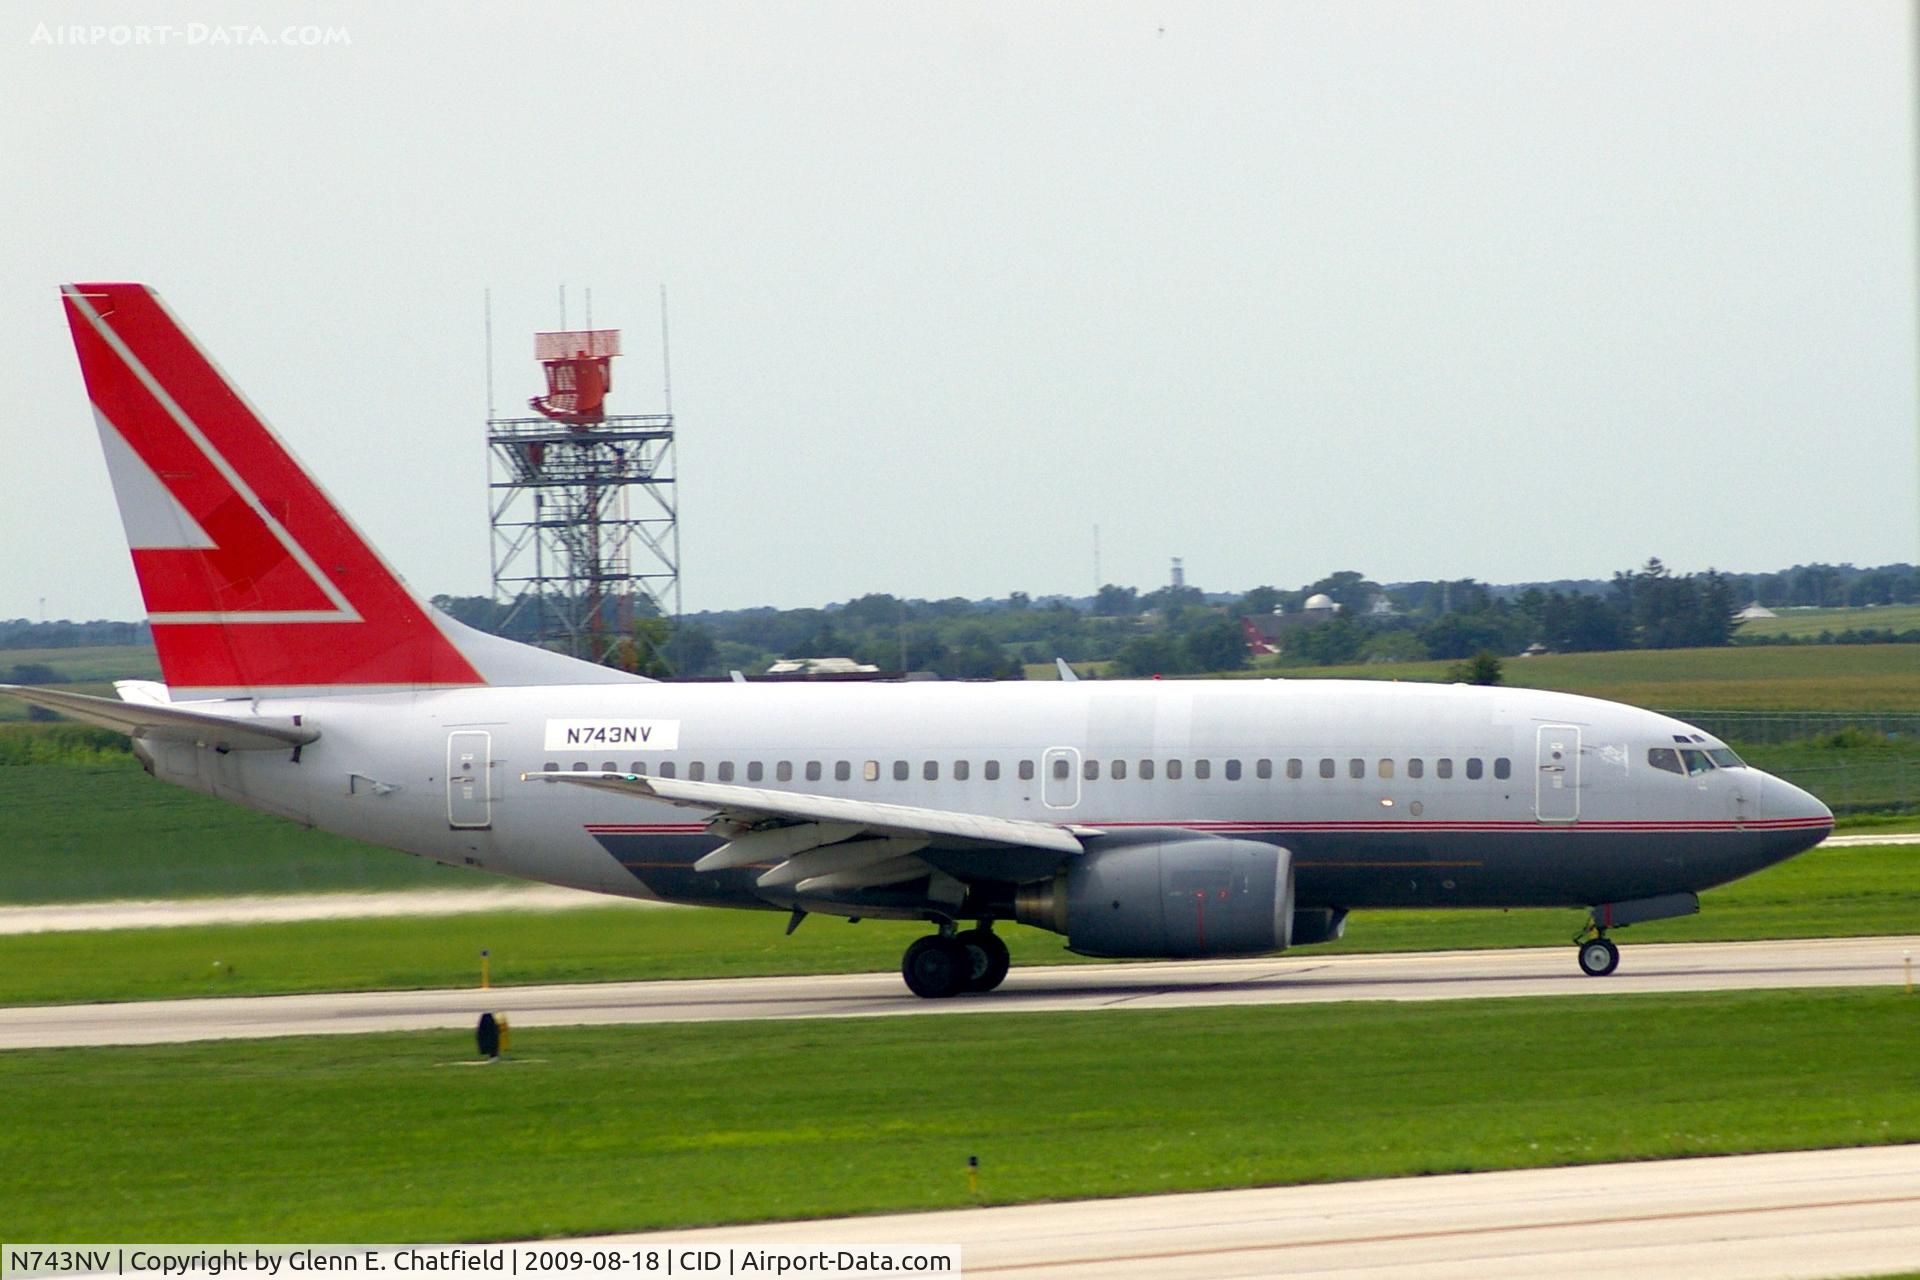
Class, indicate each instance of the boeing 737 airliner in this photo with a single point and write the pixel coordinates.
(1177, 818)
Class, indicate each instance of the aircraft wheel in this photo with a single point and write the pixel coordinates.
(987, 958)
(1599, 957)
(936, 967)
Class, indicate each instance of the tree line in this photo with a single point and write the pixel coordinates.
(1183, 630)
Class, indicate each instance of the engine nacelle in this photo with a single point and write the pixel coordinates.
(1199, 896)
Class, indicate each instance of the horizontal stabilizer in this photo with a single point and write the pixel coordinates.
(169, 723)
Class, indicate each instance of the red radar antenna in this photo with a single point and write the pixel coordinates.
(579, 365)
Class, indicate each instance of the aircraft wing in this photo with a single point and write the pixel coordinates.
(169, 723)
(822, 843)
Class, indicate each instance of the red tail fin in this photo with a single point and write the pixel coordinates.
(253, 580)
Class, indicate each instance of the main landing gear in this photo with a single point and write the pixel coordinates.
(948, 963)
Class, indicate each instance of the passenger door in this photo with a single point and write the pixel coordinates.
(1556, 790)
(469, 779)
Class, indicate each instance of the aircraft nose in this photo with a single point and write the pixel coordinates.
(1785, 802)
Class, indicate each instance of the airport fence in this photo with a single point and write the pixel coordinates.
(1798, 726)
(1857, 762)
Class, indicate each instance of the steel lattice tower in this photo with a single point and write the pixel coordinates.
(585, 512)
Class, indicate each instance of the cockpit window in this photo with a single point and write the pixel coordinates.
(1725, 758)
(1697, 762)
(1664, 758)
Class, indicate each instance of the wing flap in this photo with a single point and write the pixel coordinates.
(750, 807)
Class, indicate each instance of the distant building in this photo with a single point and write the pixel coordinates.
(1266, 633)
(820, 667)
(1753, 611)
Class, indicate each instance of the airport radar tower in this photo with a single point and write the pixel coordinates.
(584, 508)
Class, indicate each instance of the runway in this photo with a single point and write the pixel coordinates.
(1289, 979)
(164, 913)
(1791, 1216)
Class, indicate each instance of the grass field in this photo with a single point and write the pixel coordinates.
(108, 831)
(1811, 622)
(589, 1130)
(87, 669)
(1877, 677)
(1832, 892)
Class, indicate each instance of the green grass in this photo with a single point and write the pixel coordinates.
(1868, 677)
(604, 1129)
(102, 662)
(1833, 892)
(86, 669)
(108, 831)
(1811, 622)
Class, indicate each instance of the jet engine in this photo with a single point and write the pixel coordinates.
(1193, 896)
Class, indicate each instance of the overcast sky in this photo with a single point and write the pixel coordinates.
(1512, 290)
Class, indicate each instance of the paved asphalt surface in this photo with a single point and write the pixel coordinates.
(1291, 979)
(1791, 1216)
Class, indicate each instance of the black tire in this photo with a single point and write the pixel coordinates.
(936, 967)
(987, 958)
(1599, 957)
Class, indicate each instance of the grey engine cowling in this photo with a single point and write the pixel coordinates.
(1199, 896)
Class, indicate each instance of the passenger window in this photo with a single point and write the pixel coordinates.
(579, 766)
(1296, 768)
(1474, 767)
(1326, 766)
(726, 771)
(813, 771)
(1233, 771)
(1146, 771)
(1502, 768)
(1061, 768)
(1416, 768)
(1263, 769)
(756, 772)
(993, 771)
(553, 766)
(870, 771)
(1664, 758)
(1090, 769)
(638, 769)
(696, 771)
(1697, 762)
(1443, 767)
(1173, 771)
(1119, 770)
(1203, 769)
(1356, 768)
(1386, 768)
(1026, 771)
(930, 771)
(608, 766)
(961, 771)
(666, 768)
(900, 770)
(783, 772)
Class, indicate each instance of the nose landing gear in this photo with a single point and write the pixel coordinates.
(1598, 957)
(948, 963)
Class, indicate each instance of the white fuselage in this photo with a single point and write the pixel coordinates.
(1387, 793)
